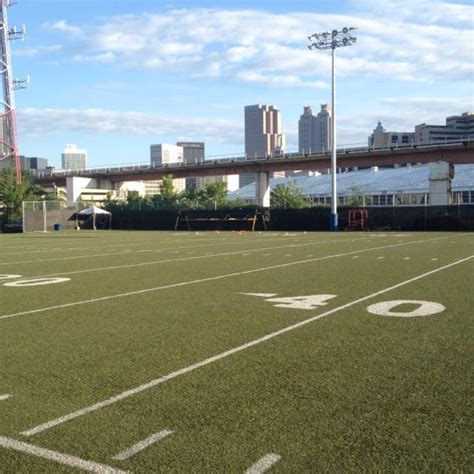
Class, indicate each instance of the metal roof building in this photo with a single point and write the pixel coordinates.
(408, 185)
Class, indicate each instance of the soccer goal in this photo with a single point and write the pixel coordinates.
(45, 216)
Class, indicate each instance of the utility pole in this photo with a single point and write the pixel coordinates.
(8, 129)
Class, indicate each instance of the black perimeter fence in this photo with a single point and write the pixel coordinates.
(419, 218)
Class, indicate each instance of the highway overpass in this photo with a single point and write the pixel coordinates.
(455, 153)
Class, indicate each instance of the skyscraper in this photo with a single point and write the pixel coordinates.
(73, 158)
(307, 131)
(263, 134)
(323, 130)
(314, 132)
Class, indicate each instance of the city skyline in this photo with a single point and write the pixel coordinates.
(119, 76)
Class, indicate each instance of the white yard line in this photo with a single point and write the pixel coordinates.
(157, 250)
(264, 464)
(204, 280)
(181, 259)
(5, 397)
(210, 360)
(89, 255)
(66, 459)
(107, 245)
(140, 446)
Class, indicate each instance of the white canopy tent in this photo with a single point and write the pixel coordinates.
(93, 211)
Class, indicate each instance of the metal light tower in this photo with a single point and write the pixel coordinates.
(8, 132)
(332, 40)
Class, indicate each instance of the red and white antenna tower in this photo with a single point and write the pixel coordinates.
(8, 131)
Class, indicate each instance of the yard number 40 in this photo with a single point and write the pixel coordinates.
(385, 308)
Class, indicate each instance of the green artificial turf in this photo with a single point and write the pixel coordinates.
(352, 391)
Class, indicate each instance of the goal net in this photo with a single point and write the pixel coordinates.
(45, 216)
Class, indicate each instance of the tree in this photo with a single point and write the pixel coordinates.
(167, 199)
(13, 194)
(188, 199)
(287, 196)
(167, 191)
(213, 195)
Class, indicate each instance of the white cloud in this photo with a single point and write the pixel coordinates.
(64, 26)
(35, 123)
(107, 57)
(414, 41)
(418, 11)
(38, 50)
(282, 80)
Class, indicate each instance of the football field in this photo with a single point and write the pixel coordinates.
(236, 352)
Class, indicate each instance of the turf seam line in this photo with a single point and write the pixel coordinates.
(66, 459)
(153, 383)
(141, 445)
(208, 279)
(264, 464)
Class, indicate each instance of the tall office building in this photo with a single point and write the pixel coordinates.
(263, 135)
(314, 132)
(193, 154)
(307, 131)
(165, 154)
(323, 130)
(73, 158)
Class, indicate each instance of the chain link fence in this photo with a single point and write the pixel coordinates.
(44, 216)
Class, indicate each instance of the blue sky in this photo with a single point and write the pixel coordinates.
(115, 76)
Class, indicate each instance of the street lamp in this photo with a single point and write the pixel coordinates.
(332, 40)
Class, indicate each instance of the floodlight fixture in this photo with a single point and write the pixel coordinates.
(332, 40)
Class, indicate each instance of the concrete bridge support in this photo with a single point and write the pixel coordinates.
(262, 189)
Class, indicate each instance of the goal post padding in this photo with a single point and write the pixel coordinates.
(42, 216)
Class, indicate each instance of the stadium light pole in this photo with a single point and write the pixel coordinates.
(332, 40)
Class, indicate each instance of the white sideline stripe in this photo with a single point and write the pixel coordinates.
(204, 280)
(60, 458)
(264, 464)
(140, 446)
(4, 397)
(223, 355)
